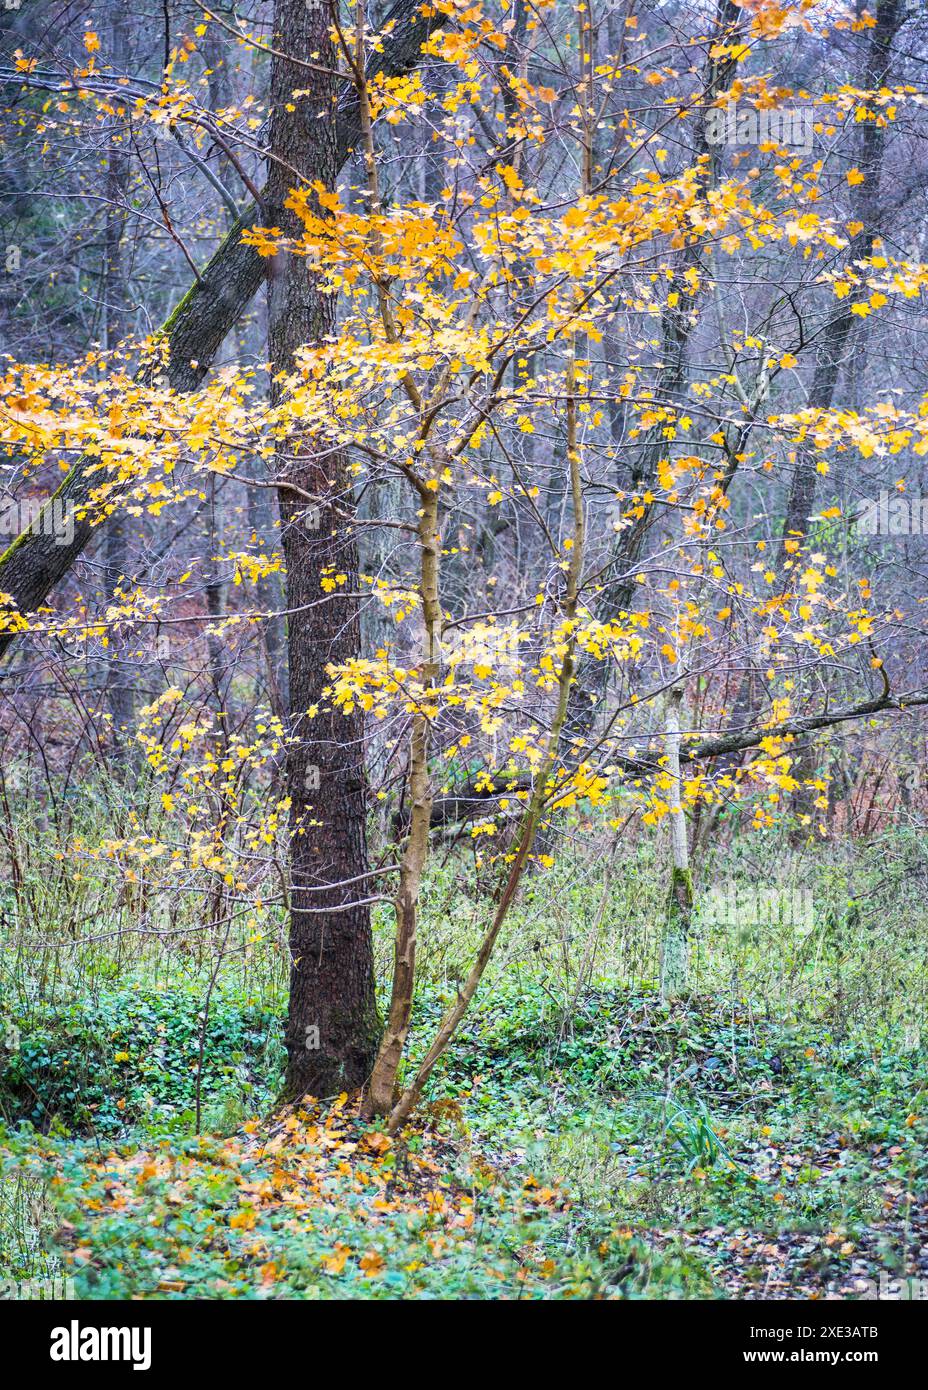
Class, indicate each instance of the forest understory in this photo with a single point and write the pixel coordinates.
(763, 1138)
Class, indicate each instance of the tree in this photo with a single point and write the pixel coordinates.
(568, 386)
(332, 1023)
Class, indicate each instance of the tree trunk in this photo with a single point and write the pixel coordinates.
(675, 952)
(528, 830)
(415, 853)
(119, 685)
(332, 1025)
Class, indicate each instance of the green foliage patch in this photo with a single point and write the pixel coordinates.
(135, 1056)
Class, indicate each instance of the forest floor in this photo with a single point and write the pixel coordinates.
(766, 1138)
(630, 1151)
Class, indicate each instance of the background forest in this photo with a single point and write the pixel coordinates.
(462, 734)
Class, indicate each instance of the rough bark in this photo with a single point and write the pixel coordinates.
(332, 1024)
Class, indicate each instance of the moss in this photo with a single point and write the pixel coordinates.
(165, 330)
(682, 877)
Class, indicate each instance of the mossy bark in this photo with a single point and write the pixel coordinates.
(675, 955)
(675, 945)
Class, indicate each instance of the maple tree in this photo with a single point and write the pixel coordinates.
(517, 405)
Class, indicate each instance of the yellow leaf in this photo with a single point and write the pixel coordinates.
(335, 1263)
